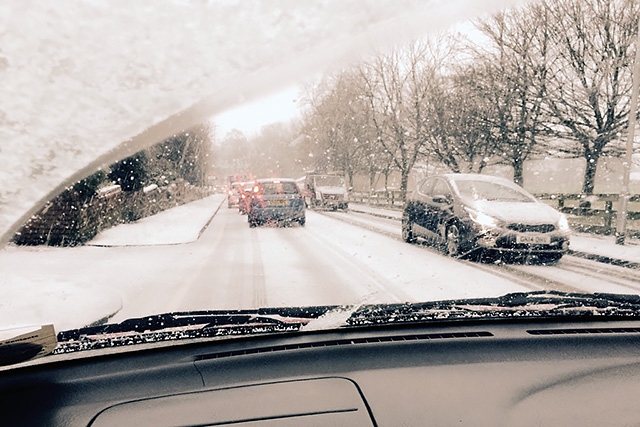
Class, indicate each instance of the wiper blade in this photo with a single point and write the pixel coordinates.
(206, 324)
(537, 304)
(188, 325)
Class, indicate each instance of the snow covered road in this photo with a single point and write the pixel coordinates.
(571, 274)
(337, 258)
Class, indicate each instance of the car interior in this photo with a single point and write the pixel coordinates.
(524, 373)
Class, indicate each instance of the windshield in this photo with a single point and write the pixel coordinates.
(491, 191)
(329, 181)
(139, 138)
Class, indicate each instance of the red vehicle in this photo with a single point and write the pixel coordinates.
(233, 194)
(244, 198)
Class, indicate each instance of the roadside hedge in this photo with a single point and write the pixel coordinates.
(71, 219)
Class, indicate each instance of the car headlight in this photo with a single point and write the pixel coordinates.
(482, 219)
(563, 223)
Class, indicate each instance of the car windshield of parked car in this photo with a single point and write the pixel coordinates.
(329, 181)
(491, 191)
(130, 129)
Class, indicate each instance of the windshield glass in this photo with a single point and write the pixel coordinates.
(491, 191)
(329, 181)
(138, 140)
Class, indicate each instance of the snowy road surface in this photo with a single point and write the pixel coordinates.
(337, 258)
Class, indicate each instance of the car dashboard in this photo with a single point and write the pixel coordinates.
(511, 373)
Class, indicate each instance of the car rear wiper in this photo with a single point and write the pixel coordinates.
(187, 325)
(536, 304)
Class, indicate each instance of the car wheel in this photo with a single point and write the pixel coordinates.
(452, 243)
(407, 229)
(301, 221)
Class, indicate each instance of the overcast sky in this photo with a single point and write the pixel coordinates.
(249, 118)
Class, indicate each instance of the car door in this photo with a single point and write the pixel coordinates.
(439, 207)
(419, 206)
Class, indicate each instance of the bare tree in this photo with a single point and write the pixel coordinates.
(339, 126)
(396, 86)
(591, 78)
(513, 73)
(459, 129)
(272, 153)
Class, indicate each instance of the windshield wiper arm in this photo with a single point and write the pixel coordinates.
(186, 325)
(536, 304)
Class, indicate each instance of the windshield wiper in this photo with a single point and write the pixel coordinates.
(206, 324)
(188, 325)
(536, 304)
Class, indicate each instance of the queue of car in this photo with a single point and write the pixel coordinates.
(268, 200)
(466, 215)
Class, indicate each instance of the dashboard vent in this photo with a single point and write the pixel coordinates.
(354, 341)
(584, 331)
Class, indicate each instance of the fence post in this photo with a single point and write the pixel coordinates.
(608, 214)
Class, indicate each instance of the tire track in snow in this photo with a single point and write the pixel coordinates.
(259, 286)
(526, 279)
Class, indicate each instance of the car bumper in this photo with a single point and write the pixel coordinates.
(277, 214)
(504, 240)
(334, 203)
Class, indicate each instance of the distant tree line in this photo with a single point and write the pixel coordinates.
(549, 78)
(272, 152)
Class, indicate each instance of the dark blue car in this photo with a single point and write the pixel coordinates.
(276, 200)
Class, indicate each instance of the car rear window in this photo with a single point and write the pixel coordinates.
(270, 188)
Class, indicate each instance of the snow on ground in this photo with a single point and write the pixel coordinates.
(606, 246)
(65, 297)
(326, 262)
(181, 224)
(56, 300)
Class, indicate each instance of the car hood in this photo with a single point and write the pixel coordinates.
(518, 212)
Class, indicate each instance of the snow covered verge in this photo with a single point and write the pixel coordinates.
(65, 298)
(182, 224)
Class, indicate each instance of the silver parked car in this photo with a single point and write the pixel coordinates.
(471, 214)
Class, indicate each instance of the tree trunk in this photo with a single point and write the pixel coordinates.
(404, 183)
(518, 167)
(590, 173)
